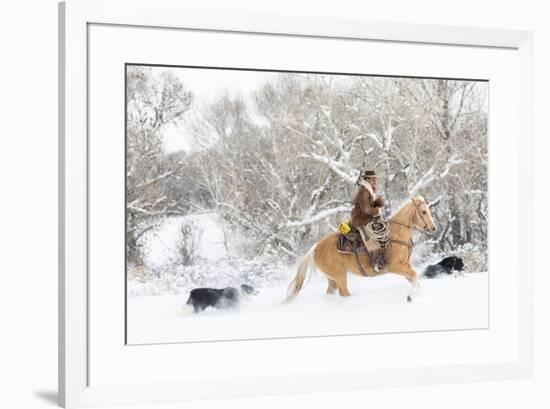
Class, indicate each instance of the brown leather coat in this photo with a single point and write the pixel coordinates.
(363, 207)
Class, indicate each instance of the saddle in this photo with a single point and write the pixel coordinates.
(351, 243)
(376, 236)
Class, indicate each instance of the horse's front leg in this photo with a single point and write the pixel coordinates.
(412, 277)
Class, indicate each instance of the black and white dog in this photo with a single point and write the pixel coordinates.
(446, 266)
(230, 297)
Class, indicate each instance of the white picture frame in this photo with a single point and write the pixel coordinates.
(75, 17)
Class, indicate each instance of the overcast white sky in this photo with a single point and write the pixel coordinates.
(206, 85)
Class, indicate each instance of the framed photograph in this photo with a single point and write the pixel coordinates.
(315, 204)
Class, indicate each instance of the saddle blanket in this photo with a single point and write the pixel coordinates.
(351, 243)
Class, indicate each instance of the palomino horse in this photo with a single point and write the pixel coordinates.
(335, 265)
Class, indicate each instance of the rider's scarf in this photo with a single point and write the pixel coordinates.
(369, 187)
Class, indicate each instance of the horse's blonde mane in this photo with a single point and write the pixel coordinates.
(415, 197)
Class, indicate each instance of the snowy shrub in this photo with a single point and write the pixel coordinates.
(473, 256)
(139, 273)
(218, 274)
(188, 243)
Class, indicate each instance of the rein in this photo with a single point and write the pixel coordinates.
(409, 226)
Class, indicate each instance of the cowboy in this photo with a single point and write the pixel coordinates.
(367, 207)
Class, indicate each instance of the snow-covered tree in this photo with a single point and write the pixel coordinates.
(279, 167)
(153, 101)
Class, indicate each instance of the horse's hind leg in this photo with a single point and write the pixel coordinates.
(332, 287)
(332, 264)
(342, 283)
(338, 281)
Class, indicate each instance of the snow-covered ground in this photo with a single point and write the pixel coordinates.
(377, 305)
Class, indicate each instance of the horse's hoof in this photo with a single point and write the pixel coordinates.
(409, 298)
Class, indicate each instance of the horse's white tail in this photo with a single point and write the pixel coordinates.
(306, 264)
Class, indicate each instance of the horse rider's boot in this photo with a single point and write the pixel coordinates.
(378, 265)
(380, 262)
(373, 249)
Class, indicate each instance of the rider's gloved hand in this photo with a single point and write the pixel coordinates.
(379, 202)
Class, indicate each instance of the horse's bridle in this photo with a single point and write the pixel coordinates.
(411, 225)
(409, 244)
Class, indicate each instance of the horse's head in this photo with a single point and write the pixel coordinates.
(422, 217)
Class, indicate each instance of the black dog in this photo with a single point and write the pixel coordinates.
(445, 266)
(230, 297)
